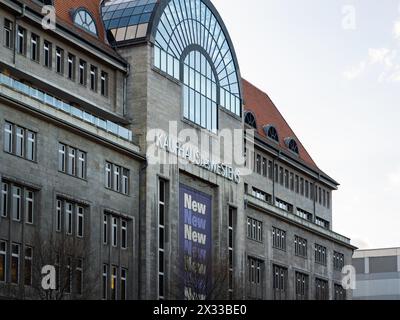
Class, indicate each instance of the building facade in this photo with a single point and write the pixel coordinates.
(102, 176)
(378, 274)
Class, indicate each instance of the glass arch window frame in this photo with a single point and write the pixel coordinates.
(292, 145)
(250, 119)
(89, 26)
(272, 133)
(181, 24)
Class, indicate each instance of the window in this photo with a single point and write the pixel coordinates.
(93, 78)
(104, 84)
(162, 209)
(271, 133)
(286, 179)
(105, 282)
(199, 91)
(81, 172)
(283, 205)
(47, 54)
(59, 60)
(123, 284)
(3, 260)
(321, 289)
(320, 196)
(281, 174)
(322, 223)
(79, 276)
(292, 181)
(328, 199)
(75, 165)
(17, 203)
(19, 141)
(292, 145)
(270, 170)
(250, 120)
(307, 189)
(302, 186)
(117, 178)
(114, 231)
(338, 261)
(28, 266)
(264, 167)
(21, 41)
(29, 206)
(300, 246)
(68, 217)
(68, 273)
(82, 72)
(124, 234)
(339, 292)
(258, 164)
(320, 254)
(15, 256)
(297, 183)
(71, 66)
(279, 282)
(304, 214)
(114, 277)
(261, 195)
(83, 19)
(105, 229)
(231, 214)
(279, 239)
(4, 199)
(255, 278)
(254, 229)
(301, 286)
(8, 34)
(59, 215)
(71, 168)
(80, 222)
(276, 173)
(35, 47)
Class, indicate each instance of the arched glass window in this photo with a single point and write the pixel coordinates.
(84, 20)
(250, 120)
(292, 145)
(200, 91)
(271, 133)
(192, 25)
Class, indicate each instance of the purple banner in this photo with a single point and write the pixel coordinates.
(195, 242)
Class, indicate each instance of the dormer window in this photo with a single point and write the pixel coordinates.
(250, 120)
(85, 20)
(271, 133)
(292, 145)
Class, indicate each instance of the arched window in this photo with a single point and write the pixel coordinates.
(250, 120)
(194, 26)
(83, 19)
(292, 145)
(271, 133)
(200, 102)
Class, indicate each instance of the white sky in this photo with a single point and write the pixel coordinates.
(337, 82)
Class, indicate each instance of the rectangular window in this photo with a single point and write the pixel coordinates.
(328, 199)
(302, 186)
(283, 205)
(279, 282)
(81, 172)
(339, 292)
(68, 217)
(124, 234)
(62, 157)
(125, 181)
(3, 260)
(105, 281)
(108, 175)
(281, 174)
(301, 286)
(258, 164)
(29, 206)
(286, 179)
(320, 195)
(307, 189)
(270, 170)
(82, 72)
(47, 54)
(338, 261)
(292, 181)
(79, 277)
(72, 161)
(80, 222)
(21, 41)
(117, 178)
(279, 239)
(58, 215)
(123, 284)
(4, 199)
(321, 289)
(8, 137)
(35, 45)
(71, 66)
(322, 223)
(297, 184)
(28, 266)
(255, 278)
(105, 229)
(17, 203)
(304, 214)
(276, 173)
(8, 34)
(20, 142)
(71, 169)
(114, 231)
(162, 198)
(114, 277)
(264, 167)
(261, 195)
(104, 83)
(300, 245)
(93, 78)
(320, 254)
(254, 229)
(231, 216)
(30, 146)
(15, 256)
(59, 60)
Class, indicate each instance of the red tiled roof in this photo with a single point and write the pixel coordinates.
(267, 113)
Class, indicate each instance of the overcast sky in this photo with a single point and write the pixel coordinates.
(337, 82)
